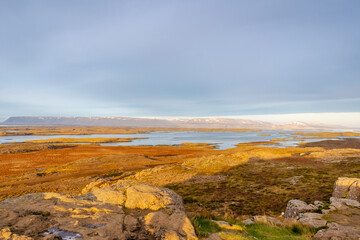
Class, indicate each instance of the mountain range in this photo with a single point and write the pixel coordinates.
(164, 122)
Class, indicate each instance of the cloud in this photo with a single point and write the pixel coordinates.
(179, 58)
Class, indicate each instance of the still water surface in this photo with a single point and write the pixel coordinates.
(222, 140)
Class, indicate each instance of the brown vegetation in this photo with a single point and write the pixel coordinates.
(335, 144)
(82, 140)
(78, 130)
(329, 134)
(247, 180)
(257, 143)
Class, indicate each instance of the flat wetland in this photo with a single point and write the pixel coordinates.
(252, 178)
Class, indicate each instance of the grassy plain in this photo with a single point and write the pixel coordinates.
(230, 184)
(82, 140)
(79, 130)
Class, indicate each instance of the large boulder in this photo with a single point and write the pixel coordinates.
(296, 207)
(173, 227)
(348, 188)
(156, 213)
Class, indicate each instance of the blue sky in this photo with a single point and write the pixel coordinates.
(179, 58)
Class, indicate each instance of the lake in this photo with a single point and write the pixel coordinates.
(222, 140)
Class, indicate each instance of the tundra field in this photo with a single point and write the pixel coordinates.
(231, 185)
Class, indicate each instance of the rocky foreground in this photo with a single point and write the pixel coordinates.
(126, 210)
(340, 219)
(117, 212)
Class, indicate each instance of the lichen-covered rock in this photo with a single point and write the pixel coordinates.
(108, 195)
(149, 197)
(176, 225)
(313, 219)
(342, 203)
(348, 188)
(295, 207)
(336, 231)
(99, 214)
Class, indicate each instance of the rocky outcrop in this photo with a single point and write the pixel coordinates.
(336, 231)
(313, 219)
(149, 197)
(342, 203)
(296, 207)
(341, 213)
(117, 212)
(348, 188)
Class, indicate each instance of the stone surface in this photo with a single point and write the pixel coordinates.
(342, 203)
(176, 225)
(108, 195)
(94, 185)
(337, 232)
(313, 219)
(348, 188)
(248, 221)
(318, 204)
(294, 180)
(149, 197)
(262, 219)
(99, 214)
(214, 236)
(295, 207)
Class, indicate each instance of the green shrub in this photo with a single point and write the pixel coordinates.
(203, 226)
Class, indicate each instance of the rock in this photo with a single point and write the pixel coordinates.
(295, 207)
(162, 225)
(348, 188)
(318, 204)
(5, 233)
(222, 223)
(294, 180)
(262, 219)
(107, 195)
(325, 211)
(131, 223)
(214, 236)
(342, 203)
(313, 219)
(149, 197)
(100, 214)
(94, 185)
(248, 221)
(336, 231)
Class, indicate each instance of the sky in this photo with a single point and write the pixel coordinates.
(199, 58)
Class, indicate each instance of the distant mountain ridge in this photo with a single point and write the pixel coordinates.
(163, 122)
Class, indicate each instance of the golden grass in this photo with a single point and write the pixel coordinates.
(82, 140)
(86, 130)
(282, 139)
(198, 145)
(257, 143)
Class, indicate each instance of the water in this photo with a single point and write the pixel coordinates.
(222, 140)
(64, 234)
